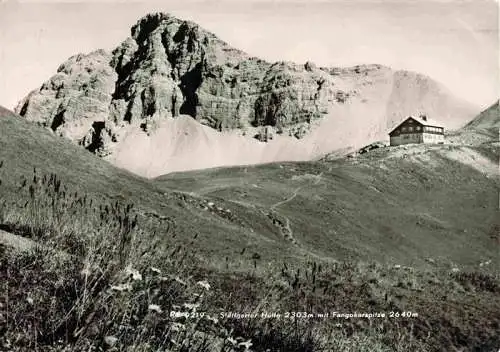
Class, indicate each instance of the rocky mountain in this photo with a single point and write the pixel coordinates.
(175, 97)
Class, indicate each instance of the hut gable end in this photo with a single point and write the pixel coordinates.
(405, 125)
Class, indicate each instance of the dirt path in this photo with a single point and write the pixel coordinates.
(287, 229)
(22, 244)
(289, 199)
(17, 242)
(295, 193)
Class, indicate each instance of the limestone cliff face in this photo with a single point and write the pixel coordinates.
(75, 98)
(172, 67)
(169, 67)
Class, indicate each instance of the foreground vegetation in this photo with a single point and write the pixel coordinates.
(97, 280)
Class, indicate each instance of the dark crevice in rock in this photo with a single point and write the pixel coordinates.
(122, 84)
(96, 141)
(128, 113)
(192, 40)
(190, 82)
(148, 102)
(181, 32)
(57, 121)
(24, 109)
(173, 110)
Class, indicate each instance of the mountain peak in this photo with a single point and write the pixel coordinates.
(171, 28)
(158, 21)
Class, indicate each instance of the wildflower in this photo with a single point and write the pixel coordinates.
(29, 300)
(180, 281)
(86, 270)
(397, 266)
(212, 319)
(155, 270)
(135, 274)
(110, 340)
(177, 327)
(246, 344)
(154, 307)
(488, 262)
(455, 270)
(204, 284)
(122, 287)
(232, 341)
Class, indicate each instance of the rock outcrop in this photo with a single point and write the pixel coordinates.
(170, 67)
(489, 119)
(485, 128)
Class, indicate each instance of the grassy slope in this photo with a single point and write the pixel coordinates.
(397, 209)
(24, 146)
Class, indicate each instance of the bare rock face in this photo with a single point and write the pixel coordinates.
(78, 94)
(169, 67)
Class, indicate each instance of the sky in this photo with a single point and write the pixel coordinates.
(455, 42)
